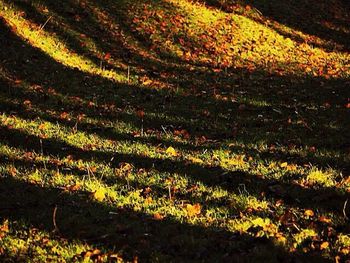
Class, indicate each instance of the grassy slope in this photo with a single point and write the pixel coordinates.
(174, 131)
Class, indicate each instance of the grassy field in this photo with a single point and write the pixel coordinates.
(174, 131)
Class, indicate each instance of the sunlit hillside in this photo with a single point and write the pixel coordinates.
(174, 131)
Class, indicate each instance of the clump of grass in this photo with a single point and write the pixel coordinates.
(321, 178)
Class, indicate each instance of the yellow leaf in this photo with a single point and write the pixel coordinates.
(99, 194)
(272, 165)
(309, 213)
(195, 160)
(285, 164)
(193, 210)
(171, 151)
(236, 161)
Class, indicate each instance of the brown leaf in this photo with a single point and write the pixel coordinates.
(64, 115)
(73, 188)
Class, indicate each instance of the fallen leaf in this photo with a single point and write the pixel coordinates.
(107, 56)
(195, 160)
(99, 194)
(345, 250)
(193, 210)
(42, 126)
(285, 164)
(291, 167)
(148, 200)
(73, 188)
(171, 151)
(13, 171)
(4, 227)
(64, 115)
(324, 219)
(27, 103)
(309, 213)
(324, 245)
(158, 216)
(140, 113)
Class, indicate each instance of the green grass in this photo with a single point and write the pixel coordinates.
(173, 131)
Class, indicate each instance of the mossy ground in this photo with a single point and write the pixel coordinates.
(174, 131)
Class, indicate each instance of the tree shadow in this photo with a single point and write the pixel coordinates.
(133, 233)
(293, 195)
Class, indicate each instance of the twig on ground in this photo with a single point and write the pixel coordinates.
(56, 230)
(344, 209)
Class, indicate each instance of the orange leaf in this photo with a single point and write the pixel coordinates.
(309, 213)
(140, 113)
(64, 115)
(107, 56)
(13, 171)
(291, 167)
(72, 188)
(158, 216)
(148, 200)
(324, 245)
(324, 219)
(42, 126)
(193, 210)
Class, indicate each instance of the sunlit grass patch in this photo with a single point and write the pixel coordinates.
(52, 45)
(31, 242)
(343, 244)
(303, 236)
(322, 178)
(231, 40)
